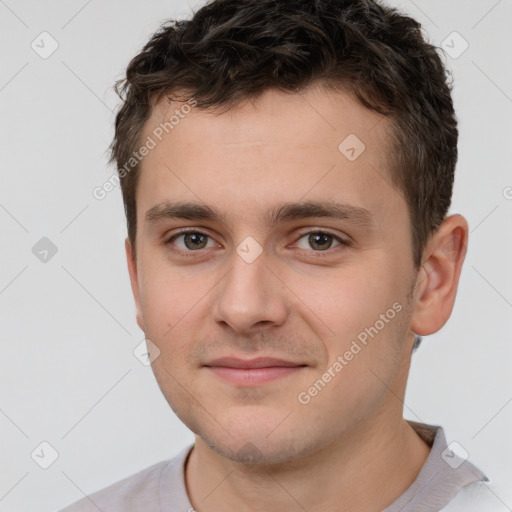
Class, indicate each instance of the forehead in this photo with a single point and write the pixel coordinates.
(316, 113)
(281, 147)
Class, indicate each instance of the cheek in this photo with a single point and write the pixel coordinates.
(168, 295)
(366, 315)
(349, 298)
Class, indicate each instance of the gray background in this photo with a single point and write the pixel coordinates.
(67, 327)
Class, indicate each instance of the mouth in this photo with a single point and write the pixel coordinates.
(251, 372)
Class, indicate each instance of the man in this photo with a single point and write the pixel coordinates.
(287, 168)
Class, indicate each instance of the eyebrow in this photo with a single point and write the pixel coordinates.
(283, 212)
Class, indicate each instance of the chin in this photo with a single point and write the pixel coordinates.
(254, 443)
(256, 453)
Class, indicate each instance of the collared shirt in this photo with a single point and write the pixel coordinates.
(161, 487)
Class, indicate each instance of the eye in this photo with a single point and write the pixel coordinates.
(192, 240)
(321, 240)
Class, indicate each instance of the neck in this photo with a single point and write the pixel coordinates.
(365, 469)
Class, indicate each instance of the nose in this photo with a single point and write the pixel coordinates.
(250, 297)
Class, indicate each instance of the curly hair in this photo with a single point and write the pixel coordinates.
(231, 51)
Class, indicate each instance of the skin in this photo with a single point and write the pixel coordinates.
(349, 448)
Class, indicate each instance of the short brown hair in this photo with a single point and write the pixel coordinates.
(234, 50)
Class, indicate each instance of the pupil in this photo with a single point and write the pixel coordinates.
(317, 238)
(195, 237)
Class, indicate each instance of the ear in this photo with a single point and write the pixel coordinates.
(132, 270)
(438, 277)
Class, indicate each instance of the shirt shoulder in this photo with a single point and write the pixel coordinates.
(140, 491)
(476, 497)
(136, 492)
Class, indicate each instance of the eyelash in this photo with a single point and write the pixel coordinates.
(189, 253)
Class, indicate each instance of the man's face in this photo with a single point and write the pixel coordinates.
(256, 285)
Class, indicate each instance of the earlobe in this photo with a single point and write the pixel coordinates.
(134, 281)
(438, 279)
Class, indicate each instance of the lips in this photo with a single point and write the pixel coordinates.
(259, 362)
(252, 372)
